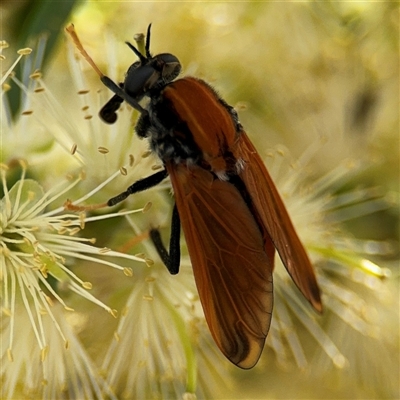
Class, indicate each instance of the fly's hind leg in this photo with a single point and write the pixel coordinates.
(172, 258)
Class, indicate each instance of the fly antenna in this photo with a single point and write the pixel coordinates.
(142, 58)
(148, 55)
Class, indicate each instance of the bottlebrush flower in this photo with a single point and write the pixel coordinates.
(37, 245)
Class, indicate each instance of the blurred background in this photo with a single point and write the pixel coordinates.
(315, 78)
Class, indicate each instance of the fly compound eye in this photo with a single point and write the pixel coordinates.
(157, 72)
(170, 66)
(140, 80)
(133, 67)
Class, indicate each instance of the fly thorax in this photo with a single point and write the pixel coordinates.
(170, 137)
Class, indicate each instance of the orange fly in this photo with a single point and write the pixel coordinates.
(232, 215)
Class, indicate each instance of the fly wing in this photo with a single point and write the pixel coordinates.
(275, 218)
(232, 271)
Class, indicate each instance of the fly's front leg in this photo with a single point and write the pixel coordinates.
(122, 94)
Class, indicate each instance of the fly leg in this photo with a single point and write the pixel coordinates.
(172, 258)
(138, 186)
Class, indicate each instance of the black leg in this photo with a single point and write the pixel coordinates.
(121, 93)
(173, 259)
(108, 111)
(139, 186)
